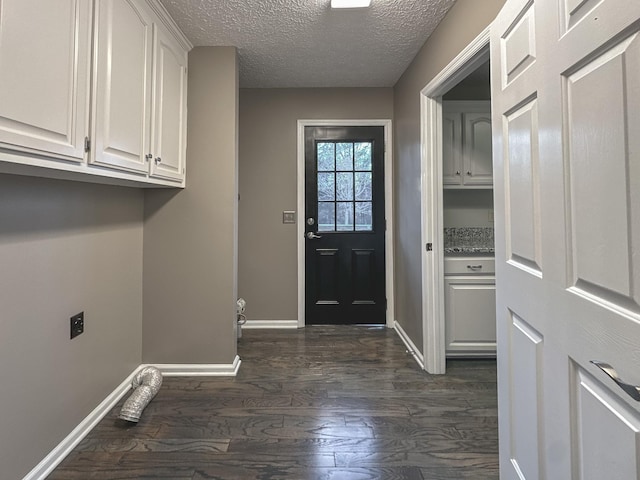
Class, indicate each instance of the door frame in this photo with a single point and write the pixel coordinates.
(388, 209)
(431, 204)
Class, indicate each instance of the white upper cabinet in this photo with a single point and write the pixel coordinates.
(466, 148)
(93, 89)
(478, 165)
(122, 85)
(169, 108)
(44, 76)
(452, 148)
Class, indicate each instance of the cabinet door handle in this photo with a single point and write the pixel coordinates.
(148, 157)
(469, 173)
(158, 160)
(474, 267)
(631, 390)
(458, 172)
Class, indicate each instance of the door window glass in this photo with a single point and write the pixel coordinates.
(344, 179)
(326, 157)
(326, 186)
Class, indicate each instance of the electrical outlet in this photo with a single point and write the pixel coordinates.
(77, 324)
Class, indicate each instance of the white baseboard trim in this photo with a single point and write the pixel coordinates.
(251, 324)
(411, 348)
(51, 461)
(199, 369)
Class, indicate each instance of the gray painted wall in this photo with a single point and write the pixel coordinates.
(65, 247)
(190, 236)
(465, 20)
(267, 275)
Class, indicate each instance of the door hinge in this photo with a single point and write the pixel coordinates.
(429, 247)
(87, 144)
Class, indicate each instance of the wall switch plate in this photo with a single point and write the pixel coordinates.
(288, 216)
(77, 324)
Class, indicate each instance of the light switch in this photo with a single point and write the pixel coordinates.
(288, 216)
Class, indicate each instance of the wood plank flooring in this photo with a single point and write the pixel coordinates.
(320, 403)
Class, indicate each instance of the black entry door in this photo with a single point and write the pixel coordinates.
(344, 225)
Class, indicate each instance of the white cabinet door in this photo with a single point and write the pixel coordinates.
(466, 144)
(452, 148)
(478, 162)
(470, 315)
(122, 86)
(566, 90)
(44, 76)
(169, 107)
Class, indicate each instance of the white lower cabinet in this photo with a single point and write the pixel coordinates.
(470, 309)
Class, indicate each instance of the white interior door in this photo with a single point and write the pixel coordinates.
(566, 92)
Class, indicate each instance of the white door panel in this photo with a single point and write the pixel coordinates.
(523, 242)
(525, 353)
(598, 418)
(566, 92)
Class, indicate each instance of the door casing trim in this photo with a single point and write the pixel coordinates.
(388, 209)
(433, 321)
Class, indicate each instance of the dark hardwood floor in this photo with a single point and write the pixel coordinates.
(338, 403)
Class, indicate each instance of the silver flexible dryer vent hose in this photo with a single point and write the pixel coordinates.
(146, 384)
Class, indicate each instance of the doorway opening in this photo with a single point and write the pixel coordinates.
(467, 177)
(452, 128)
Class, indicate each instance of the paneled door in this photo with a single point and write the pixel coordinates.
(566, 142)
(344, 225)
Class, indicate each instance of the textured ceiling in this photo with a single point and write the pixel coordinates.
(303, 43)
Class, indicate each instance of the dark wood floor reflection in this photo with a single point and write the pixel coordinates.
(338, 403)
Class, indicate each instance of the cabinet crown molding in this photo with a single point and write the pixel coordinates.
(170, 23)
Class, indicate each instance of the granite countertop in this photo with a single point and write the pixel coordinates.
(468, 240)
(464, 250)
